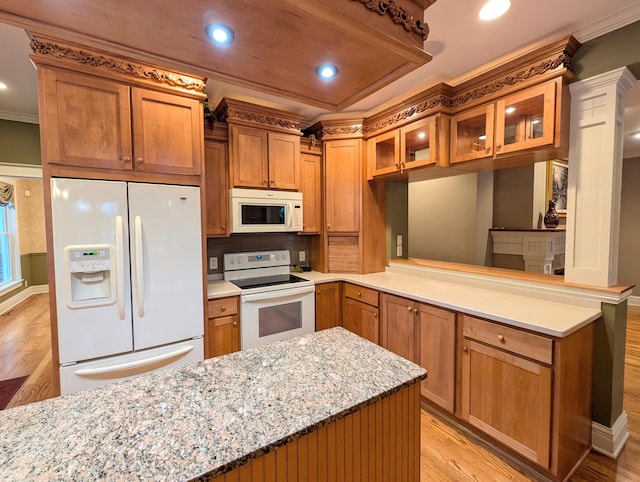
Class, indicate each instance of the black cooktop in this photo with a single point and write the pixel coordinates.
(280, 279)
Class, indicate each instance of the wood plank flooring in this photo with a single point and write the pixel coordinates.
(446, 453)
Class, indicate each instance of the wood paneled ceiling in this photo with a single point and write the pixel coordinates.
(278, 43)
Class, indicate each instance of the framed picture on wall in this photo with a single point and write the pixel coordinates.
(557, 180)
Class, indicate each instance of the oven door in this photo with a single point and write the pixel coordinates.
(276, 315)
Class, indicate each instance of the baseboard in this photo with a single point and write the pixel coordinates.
(23, 295)
(634, 301)
(610, 441)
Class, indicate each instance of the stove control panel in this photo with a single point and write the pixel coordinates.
(256, 259)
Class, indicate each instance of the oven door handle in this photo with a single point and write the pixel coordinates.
(277, 294)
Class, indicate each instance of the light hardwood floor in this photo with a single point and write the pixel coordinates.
(447, 454)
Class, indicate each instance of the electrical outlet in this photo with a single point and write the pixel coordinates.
(302, 256)
(213, 262)
(399, 250)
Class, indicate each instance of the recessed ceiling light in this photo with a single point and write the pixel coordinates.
(421, 135)
(219, 34)
(510, 110)
(494, 9)
(3, 86)
(327, 71)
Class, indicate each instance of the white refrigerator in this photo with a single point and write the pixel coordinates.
(128, 272)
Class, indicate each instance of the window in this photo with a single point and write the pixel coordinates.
(9, 261)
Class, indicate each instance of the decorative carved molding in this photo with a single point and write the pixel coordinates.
(511, 80)
(457, 101)
(342, 131)
(408, 113)
(398, 15)
(117, 65)
(238, 114)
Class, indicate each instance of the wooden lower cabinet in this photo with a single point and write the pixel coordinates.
(360, 312)
(399, 327)
(437, 353)
(328, 307)
(380, 442)
(222, 335)
(528, 391)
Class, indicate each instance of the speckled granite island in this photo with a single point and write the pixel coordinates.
(309, 407)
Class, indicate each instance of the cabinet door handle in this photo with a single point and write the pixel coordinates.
(126, 158)
(501, 338)
(415, 310)
(408, 308)
(359, 294)
(265, 182)
(271, 182)
(375, 315)
(138, 160)
(235, 323)
(224, 226)
(487, 150)
(223, 308)
(498, 147)
(465, 349)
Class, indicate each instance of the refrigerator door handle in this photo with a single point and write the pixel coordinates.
(139, 265)
(134, 364)
(120, 267)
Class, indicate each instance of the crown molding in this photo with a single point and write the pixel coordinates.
(19, 117)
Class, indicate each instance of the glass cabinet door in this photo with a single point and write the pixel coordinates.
(472, 134)
(384, 152)
(525, 120)
(418, 143)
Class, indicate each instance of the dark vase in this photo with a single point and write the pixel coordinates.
(551, 219)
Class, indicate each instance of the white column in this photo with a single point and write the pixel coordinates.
(595, 178)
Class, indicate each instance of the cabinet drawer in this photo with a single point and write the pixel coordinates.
(526, 344)
(223, 307)
(366, 295)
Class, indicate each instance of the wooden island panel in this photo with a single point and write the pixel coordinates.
(379, 442)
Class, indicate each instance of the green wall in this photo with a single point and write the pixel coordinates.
(608, 52)
(19, 143)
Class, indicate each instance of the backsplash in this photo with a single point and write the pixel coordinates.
(216, 247)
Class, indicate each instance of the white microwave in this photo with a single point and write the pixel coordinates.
(262, 211)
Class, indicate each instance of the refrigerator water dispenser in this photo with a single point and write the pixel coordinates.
(90, 275)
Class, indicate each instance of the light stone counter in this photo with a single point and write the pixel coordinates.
(203, 419)
(550, 318)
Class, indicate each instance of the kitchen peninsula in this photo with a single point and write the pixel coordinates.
(281, 410)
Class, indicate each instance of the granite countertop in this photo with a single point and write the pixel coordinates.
(202, 419)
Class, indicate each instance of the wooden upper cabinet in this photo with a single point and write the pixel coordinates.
(311, 188)
(217, 202)
(343, 174)
(384, 153)
(264, 159)
(419, 143)
(248, 157)
(96, 123)
(86, 121)
(284, 161)
(472, 134)
(527, 120)
(167, 132)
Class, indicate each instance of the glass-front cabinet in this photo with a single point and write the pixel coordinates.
(408, 147)
(472, 134)
(526, 119)
(417, 143)
(523, 120)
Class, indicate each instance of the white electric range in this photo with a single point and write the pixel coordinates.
(274, 304)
